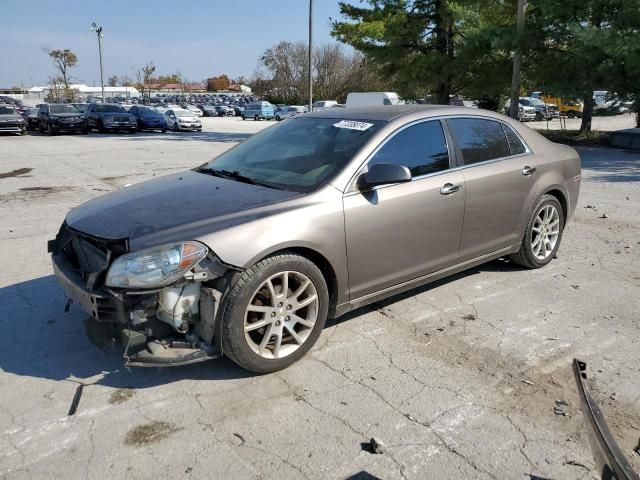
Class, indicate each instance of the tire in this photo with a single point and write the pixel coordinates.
(571, 114)
(278, 118)
(133, 130)
(243, 117)
(539, 117)
(526, 256)
(234, 342)
(85, 131)
(50, 130)
(256, 118)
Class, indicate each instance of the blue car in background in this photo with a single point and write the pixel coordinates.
(259, 111)
(148, 118)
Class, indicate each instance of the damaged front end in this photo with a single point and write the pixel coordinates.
(161, 304)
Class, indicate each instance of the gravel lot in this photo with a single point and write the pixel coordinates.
(458, 379)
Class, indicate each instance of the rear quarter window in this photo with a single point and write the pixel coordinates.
(515, 144)
(479, 140)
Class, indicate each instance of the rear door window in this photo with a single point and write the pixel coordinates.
(479, 140)
(515, 144)
(421, 147)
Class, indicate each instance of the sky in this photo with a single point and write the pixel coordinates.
(198, 38)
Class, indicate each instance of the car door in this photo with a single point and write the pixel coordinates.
(170, 118)
(396, 233)
(500, 176)
(91, 115)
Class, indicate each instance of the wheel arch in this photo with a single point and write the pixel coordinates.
(558, 192)
(318, 259)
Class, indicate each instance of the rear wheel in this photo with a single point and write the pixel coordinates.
(256, 118)
(274, 313)
(543, 234)
(571, 114)
(243, 117)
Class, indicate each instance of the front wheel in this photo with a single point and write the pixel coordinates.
(175, 127)
(51, 130)
(274, 313)
(543, 234)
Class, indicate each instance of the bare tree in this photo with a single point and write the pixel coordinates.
(63, 60)
(144, 75)
(112, 81)
(282, 73)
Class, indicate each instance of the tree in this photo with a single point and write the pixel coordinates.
(112, 81)
(64, 60)
(588, 45)
(126, 81)
(417, 44)
(173, 78)
(282, 74)
(221, 82)
(144, 75)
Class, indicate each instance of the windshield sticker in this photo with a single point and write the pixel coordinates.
(352, 125)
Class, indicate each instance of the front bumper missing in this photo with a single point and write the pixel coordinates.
(151, 344)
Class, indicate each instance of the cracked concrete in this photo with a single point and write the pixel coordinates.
(458, 378)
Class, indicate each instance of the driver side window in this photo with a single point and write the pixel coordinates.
(421, 147)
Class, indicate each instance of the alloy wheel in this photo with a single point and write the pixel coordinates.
(281, 315)
(545, 232)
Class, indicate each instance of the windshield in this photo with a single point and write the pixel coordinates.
(300, 154)
(536, 101)
(6, 110)
(110, 108)
(147, 111)
(62, 109)
(81, 107)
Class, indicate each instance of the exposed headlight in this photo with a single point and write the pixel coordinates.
(155, 267)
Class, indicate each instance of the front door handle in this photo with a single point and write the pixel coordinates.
(449, 188)
(526, 171)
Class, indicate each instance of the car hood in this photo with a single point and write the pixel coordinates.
(182, 206)
(10, 116)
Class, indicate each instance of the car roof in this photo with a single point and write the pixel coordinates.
(391, 112)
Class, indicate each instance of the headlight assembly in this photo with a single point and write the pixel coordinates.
(155, 267)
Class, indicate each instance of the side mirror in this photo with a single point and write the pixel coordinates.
(384, 174)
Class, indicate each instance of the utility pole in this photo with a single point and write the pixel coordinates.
(310, 55)
(517, 60)
(98, 30)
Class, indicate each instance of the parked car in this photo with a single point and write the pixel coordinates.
(544, 111)
(179, 119)
(371, 99)
(193, 109)
(224, 111)
(110, 117)
(238, 110)
(290, 111)
(569, 107)
(56, 118)
(248, 255)
(525, 113)
(259, 111)
(323, 105)
(31, 117)
(209, 111)
(81, 107)
(10, 120)
(148, 119)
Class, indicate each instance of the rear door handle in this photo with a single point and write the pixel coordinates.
(449, 188)
(526, 171)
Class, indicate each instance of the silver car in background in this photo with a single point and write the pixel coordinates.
(249, 254)
(179, 120)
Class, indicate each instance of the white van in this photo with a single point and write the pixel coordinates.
(372, 99)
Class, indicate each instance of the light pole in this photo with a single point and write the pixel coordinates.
(98, 30)
(310, 55)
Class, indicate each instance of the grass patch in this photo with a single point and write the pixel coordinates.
(595, 138)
